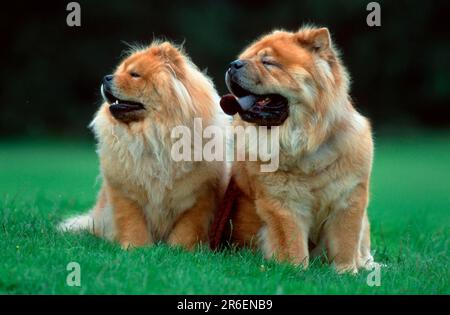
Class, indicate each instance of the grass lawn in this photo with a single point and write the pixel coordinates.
(42, 182)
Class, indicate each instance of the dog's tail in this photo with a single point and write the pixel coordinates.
(77, 223)
(223, 215)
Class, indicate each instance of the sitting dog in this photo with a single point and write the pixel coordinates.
(147, 197)
(317, 198)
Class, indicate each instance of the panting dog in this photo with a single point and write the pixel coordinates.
(315, 202)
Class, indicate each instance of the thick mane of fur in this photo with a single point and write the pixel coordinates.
(146, 145)
(308, 126)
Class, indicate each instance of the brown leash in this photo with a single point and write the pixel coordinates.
(223, 215)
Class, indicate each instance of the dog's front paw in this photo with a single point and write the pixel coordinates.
(290, 254)
(368, 263)
(346, 268)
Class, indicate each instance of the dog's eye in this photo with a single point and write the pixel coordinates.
(135, 74)
(269, 62)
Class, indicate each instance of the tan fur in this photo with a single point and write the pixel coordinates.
(320, 191)
(147, 197)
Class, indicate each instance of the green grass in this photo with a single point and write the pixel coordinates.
(44, 182)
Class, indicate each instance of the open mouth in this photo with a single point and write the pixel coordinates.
(265, 110)
(121, 109)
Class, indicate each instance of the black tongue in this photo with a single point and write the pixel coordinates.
(229, 104)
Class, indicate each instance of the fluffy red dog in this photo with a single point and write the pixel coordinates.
(319, 194)
(146, 196)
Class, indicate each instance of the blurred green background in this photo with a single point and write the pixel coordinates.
(52, 72)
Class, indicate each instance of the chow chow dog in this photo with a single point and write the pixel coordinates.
(147, 197)
(316, 201)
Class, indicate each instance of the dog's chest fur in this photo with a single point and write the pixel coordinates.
(312, 186)
(140, 165)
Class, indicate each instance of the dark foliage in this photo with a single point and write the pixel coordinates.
(51, 72)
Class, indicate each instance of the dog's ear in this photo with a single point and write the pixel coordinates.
(171, 53)
(321, 39)
(315, 39)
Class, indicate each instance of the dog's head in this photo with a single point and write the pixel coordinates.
(284, 74)
(158, 80)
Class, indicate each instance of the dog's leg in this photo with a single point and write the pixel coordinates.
(284, 236)
(245, 223)
(192, 226)
(344, 231)
(129, 219)
(365, 257)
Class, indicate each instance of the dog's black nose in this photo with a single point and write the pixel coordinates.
(237, 64)
(107, 79)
